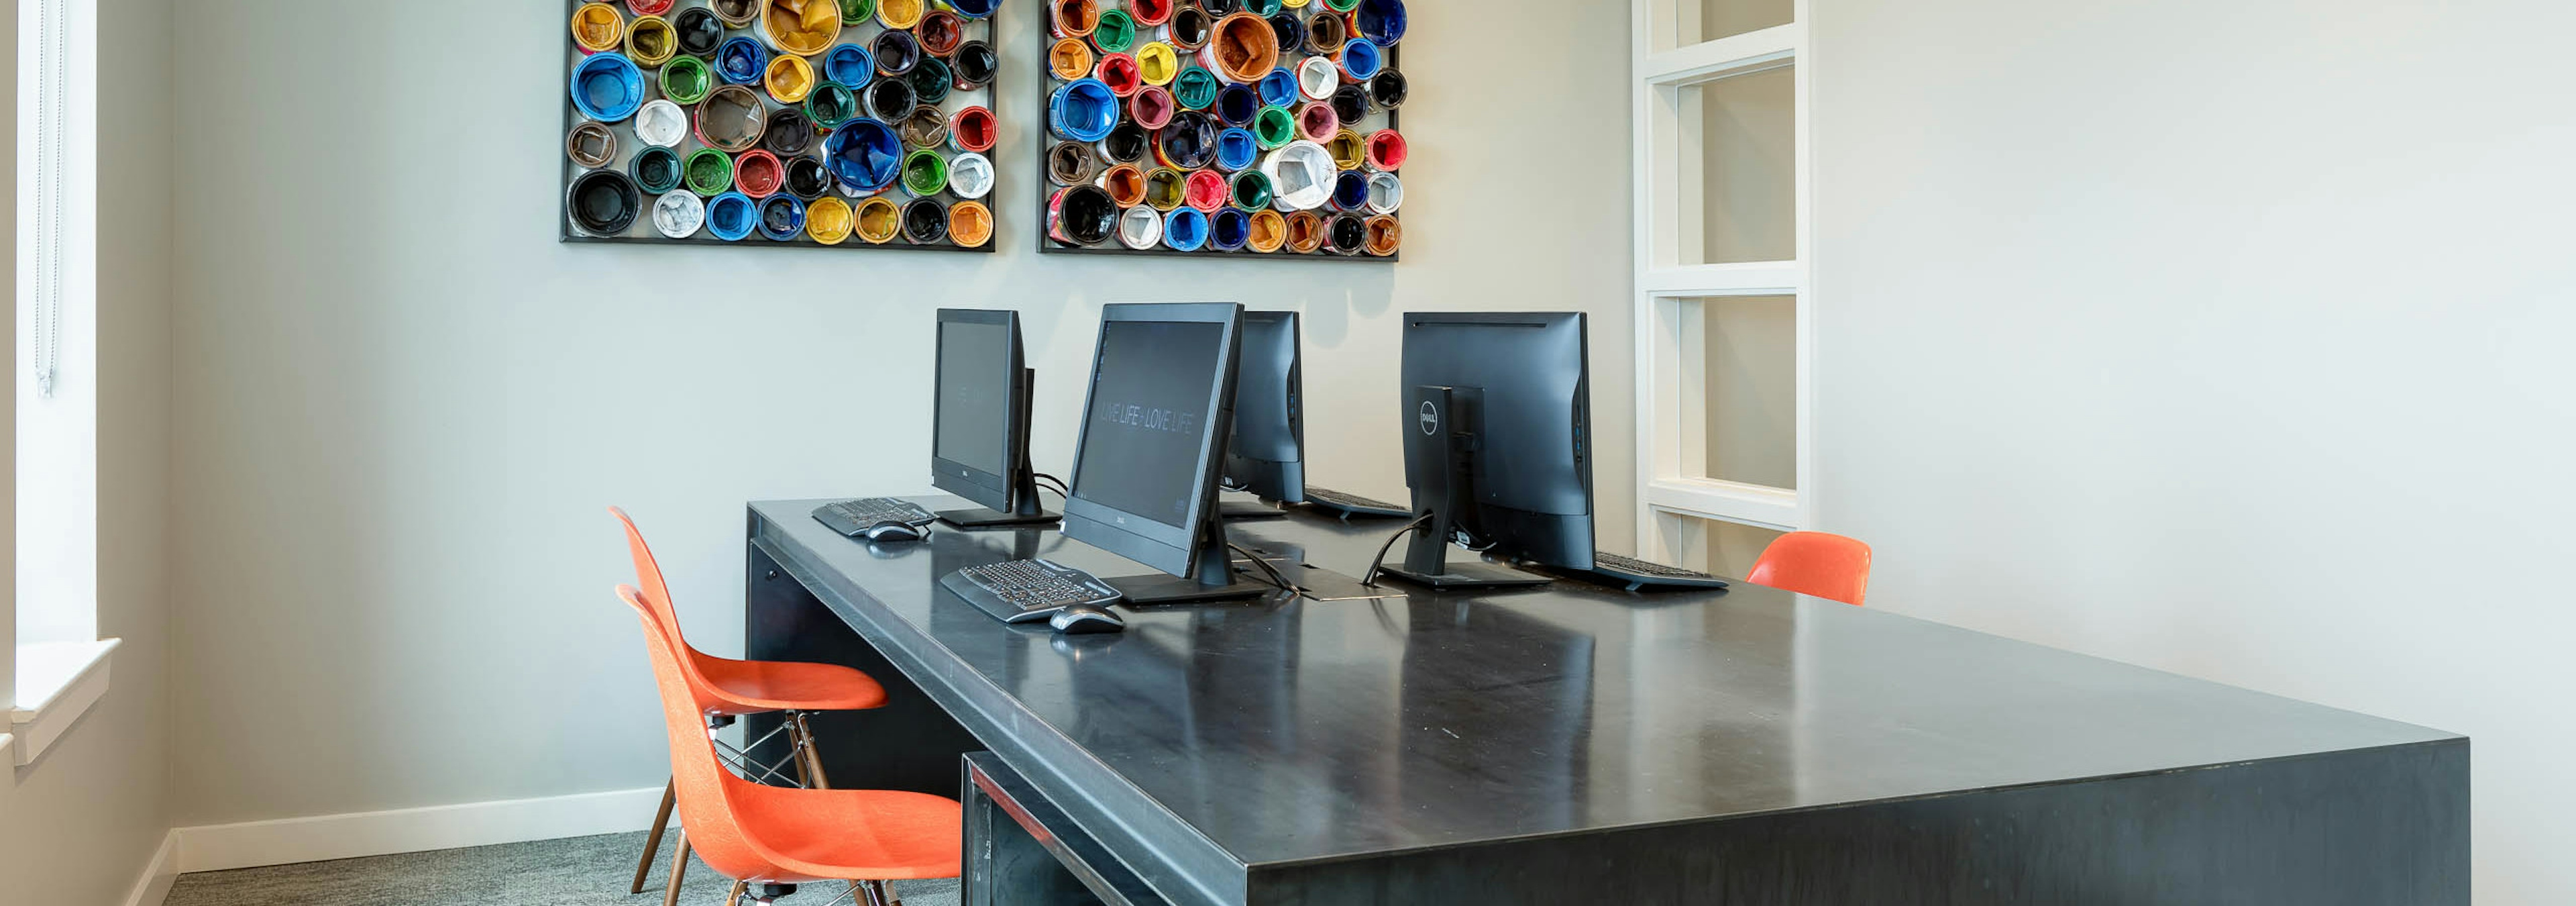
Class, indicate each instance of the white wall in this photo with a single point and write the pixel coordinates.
(79, 826)
(402, 406)
(2228, 338)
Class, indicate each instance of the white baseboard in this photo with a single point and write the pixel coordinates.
(154, 885)
(252, 844)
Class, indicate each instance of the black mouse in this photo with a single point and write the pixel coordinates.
(1083, 619)
(890, 531)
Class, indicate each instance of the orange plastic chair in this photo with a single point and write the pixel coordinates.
(723, 688)
(1815, 563)
(769, 837)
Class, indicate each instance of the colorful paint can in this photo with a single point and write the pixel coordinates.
(1236, 149)
(801, 34)
(1196, 88)
(1301, 173)
(708, 172)
(1125, 185)
(656, 170)
(1166, 188)
(789, 79)
(1269, 232)
(1081, 215)
(597, 27)
(741, 61)
(732, 119)
(890, 100)
(1084, 110)
(925, 173)
(591, 145)
(608, 87)
(1185, 229)
(1115, 31)
(1387, 150)
(878, 221)
(832, 104)
(650, 42)
(782, 217)
(678, 215)
(1305, 232)
(1070, 163)
(974, 65)
(970, 224)
(864, 155)
(697, 32)
(605, 202)
(850, 64)
(1241, 48)
(1140, 228)
(1152, 107)
(940, 32)
(686, 80)
(732, 216)
(828, 221)
(896, 53)
(758, 173)
(789, 133)
(970, 175)
(807, 179)
(1229, 230)
(661, 122)
(1273, 127)
(974, 129)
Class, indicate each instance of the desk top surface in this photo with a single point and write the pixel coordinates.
(1293, 731)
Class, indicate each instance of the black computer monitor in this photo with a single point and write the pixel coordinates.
(1266, 455)
(980, 420)
(1497, 447)
(1154, 427)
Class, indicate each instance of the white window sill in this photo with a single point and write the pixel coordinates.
(59, 681)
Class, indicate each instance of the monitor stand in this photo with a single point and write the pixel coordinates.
(987, 517)
(1245, 510)
(1212, 576)
(1447, 490)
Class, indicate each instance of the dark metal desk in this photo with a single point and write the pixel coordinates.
(1581, 744)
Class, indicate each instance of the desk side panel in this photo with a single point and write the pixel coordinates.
(2375, 827)
(910, 744)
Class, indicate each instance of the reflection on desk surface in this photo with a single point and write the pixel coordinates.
(1291, 731)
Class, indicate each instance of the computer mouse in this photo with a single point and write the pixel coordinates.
(891, 531)
(1083, 619)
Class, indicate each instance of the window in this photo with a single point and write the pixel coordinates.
(1723, 301)
(57, 664)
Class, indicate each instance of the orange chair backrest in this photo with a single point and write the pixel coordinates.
(715, 833)
(658, 611)
(1815, 563)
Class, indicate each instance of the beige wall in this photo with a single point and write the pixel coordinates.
(78, 827)
(2226, 338)
(402, 405)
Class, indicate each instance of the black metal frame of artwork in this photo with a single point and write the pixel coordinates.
(1047, 186)
(642, 232)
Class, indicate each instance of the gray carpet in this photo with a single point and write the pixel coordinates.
(583, 871)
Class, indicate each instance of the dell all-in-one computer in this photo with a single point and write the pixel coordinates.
(1154, 428)
(980, 421)
(1267, 456)
(1498, 453)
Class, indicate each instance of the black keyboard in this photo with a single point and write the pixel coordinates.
(1022, 591)
(1350, 505)
(851, 517)
(1638, 574)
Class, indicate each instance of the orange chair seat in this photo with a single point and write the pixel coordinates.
(826, 835)
(757, 687)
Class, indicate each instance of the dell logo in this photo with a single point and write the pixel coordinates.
(1430, 419)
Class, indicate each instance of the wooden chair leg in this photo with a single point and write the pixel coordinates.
(871, 893)
(813, 758)
(679, 867)
(653, 843)
(734, 897)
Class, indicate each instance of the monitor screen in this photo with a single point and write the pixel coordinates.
(1149, 418)
(974, 396)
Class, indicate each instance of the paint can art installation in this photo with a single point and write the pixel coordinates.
(857, 124)
(1223, 127)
